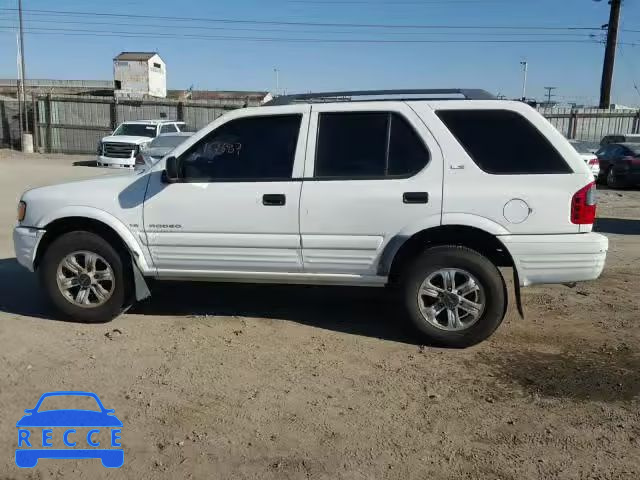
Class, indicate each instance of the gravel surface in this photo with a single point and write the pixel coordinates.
(224, 381)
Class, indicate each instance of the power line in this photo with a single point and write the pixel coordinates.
(628, 65)
(201, 27)
(308, 24)
(76, 32)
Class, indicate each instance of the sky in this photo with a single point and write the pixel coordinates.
(283, 34)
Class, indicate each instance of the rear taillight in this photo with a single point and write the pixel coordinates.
(583, 205)
(594, 161)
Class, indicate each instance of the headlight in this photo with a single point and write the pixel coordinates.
(22, 210)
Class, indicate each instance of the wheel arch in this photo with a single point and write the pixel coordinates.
(98, 222)
(403, 248)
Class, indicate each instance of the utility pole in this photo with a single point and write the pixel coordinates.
(549, 95)
(525, 66)
(610, 54)
(24, 92)
(19, 83)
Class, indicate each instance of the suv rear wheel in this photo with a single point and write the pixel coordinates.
(454, 296)
(84, 278)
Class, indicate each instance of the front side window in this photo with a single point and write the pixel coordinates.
(361, 145)
(250, 149)
(503, 142)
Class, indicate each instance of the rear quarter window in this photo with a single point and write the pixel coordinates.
(502, 142)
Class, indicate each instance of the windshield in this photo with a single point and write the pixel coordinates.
(585, 147)
(168, 141)
(136, 130)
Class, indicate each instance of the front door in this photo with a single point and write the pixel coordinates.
(236, 205)
(376, 174)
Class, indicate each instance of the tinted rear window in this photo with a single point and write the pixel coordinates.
(502, 142)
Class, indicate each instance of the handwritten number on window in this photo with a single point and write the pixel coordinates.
(220, 148)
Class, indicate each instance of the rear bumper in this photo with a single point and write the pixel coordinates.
(25, 244)
(557, 258)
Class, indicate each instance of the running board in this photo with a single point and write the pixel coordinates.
(275, 277)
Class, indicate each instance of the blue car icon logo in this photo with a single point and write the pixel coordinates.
(79, 433)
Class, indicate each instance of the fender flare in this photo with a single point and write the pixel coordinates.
(435, 221)
(475, 221)
(114, 223)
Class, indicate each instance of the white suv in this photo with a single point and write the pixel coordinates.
(429, 195)
(119, 149)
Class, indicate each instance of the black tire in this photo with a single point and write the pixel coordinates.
(84, 241)
(612, 180)
(484, 271)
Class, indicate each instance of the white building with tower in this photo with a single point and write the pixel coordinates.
(139, 74)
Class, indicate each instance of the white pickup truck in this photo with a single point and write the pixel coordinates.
(430, 196)
(119, 149)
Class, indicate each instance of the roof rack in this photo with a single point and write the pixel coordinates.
(398, 95)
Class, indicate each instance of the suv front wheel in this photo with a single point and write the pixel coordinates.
(454, 296)
(84, 278)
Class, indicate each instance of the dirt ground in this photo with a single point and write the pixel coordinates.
(324, 383)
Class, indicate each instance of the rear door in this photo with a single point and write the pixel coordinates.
(372, 170)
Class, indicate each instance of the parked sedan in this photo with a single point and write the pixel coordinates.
(159, 147)
(620, 164)
(586, 151)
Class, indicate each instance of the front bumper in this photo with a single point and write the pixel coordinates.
(557, 258)
(25, 243)
(116, 162)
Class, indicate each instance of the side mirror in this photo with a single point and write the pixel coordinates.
(170, 173)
